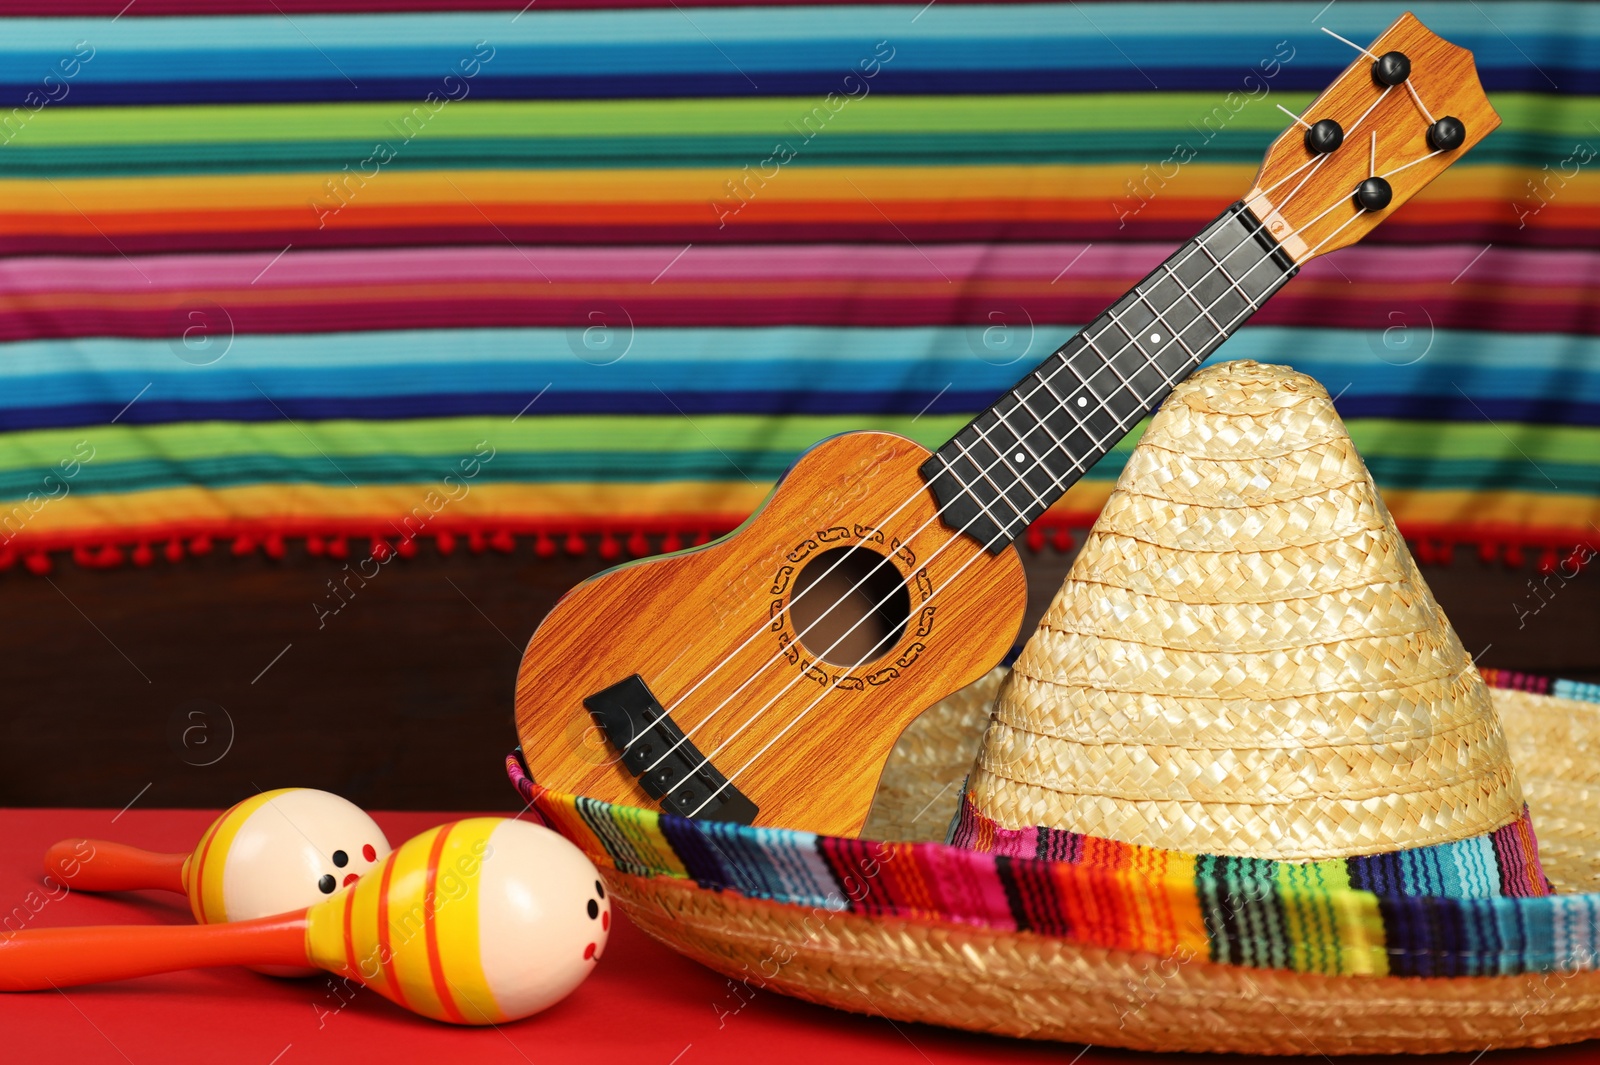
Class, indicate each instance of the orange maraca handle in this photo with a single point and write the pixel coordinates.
(95, 865)
(42, 958)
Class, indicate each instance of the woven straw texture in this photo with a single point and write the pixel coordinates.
(1041, 987)
(920, 788)
(1244, 659)
(1553, 743)
(1020, 984)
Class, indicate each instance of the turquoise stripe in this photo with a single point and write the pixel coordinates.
(1487, 475)
(1514, 929)
(950, 37)
(1335, 354)
(675, 379)
(533, 467)
(950, 22)
(1576, 689)
(1042, 51)
(865, 360)
(1539, 934)
(615, 839)
(1477, 866)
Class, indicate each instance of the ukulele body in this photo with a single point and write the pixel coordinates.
(715, 634)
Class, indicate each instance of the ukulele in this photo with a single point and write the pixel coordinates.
(763, 678)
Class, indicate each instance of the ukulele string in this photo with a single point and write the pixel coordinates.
(999, 460)
(1260, 226)
(950, 580)
(1412, 89)
(1315, 162)
(874, 650)
(984, 472)
(945, 584)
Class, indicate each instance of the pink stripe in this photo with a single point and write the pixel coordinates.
(1471, 263)
(641, 264)
(738, 264)
(967, 885)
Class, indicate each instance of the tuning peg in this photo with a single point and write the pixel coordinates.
(1391, 68)
(1447, 134)
(1374, 194)
(1324, 136)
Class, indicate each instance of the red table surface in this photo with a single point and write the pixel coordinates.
(644, 1005)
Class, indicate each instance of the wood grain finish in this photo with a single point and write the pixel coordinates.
(1309, 208)
(711, 630)
(805, 740)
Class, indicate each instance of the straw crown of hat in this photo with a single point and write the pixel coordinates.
(1244, 659)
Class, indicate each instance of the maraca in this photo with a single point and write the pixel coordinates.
(272, 853)
(475, 922)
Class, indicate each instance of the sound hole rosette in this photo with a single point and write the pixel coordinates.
(849, 605)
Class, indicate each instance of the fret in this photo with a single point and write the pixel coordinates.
(1086, 367)
(1062, 420)
(1043, 422)
(1140, 358)
(1202, 299)
(962, 508)
(1031, 454)
(1238, 259)
(1141, 397)
(1213, 284)
(1049, 440)
(1136, 320)
(1172, 335)
(1092, 374)
(1011, 470)
(1250, 305)
(1024, 454)
(1008, 465)
(989, 471)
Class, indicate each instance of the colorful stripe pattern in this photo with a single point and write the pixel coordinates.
(1502, 863)
(1334, 917)
(276, 270)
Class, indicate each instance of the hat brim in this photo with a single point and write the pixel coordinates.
(1044, 987)
(955, 957)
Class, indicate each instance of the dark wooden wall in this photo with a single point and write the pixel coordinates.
(196, 684)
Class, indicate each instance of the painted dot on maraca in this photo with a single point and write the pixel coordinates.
(326, 884)
(369, 852)
(340, 859)
(594, 909)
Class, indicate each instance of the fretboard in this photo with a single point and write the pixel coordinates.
(1011, 462)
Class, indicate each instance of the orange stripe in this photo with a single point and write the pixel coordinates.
(352, 967)
(1530, 854)
(385, 954)
(441, 987)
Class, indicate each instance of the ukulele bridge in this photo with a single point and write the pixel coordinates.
(666, 763)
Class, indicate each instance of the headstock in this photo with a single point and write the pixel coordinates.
(1314, 201)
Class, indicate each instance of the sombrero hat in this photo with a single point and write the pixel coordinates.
(1242, 791)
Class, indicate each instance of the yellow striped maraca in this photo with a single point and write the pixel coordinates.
(274, 852)
(476, 922)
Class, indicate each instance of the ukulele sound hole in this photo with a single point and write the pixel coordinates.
(851, 612)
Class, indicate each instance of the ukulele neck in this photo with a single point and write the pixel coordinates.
(1018, 457)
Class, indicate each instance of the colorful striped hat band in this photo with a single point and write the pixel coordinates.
(1243, 762)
